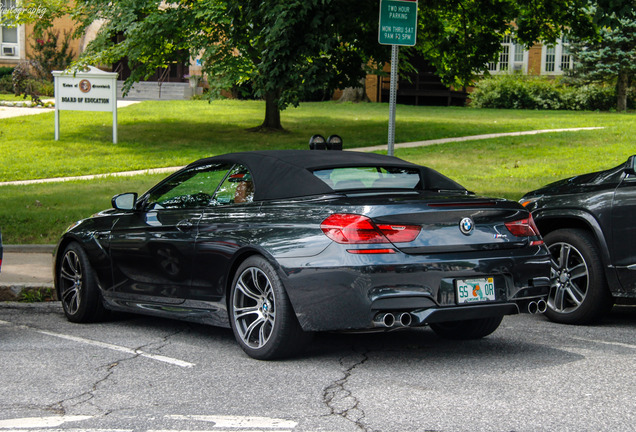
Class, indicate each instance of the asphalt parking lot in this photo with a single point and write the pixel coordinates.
(145, 374)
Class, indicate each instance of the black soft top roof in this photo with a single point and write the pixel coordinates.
(289, 173)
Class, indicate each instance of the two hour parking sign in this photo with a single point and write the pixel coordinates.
(398, 22)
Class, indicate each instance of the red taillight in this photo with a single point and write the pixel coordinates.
(351, 229)
(524, 228)
(356, 229)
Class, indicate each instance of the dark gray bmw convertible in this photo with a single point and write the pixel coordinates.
(279, 244)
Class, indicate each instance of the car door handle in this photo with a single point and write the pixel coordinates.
(185, 225)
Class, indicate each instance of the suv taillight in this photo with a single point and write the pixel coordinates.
(346, 228)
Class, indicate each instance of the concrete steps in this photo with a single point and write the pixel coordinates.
(149, 90)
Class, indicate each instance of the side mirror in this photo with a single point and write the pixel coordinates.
(631, 169)
(125, 201)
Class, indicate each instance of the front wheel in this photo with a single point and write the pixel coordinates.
(468, 329)
(261, 315)
(79, 293)
(579, 293)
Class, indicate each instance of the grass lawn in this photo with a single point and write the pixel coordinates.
(159, 134)
(11, 97)
(156, 134)
(38, 214)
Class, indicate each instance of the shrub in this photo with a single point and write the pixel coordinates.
(26, 82)
(5, 71)
(51, 53)
(528, 92)
(516, 92)
(6, 84)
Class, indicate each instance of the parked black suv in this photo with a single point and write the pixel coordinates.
(589, 225)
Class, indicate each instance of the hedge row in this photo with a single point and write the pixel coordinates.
(524, 92)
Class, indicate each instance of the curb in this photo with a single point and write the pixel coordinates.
(29, 248)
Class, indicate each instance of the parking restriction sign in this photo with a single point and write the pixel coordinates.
(398, 22)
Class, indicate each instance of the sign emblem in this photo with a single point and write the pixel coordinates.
(466, 225)
(85, 86)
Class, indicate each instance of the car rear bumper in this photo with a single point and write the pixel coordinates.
(341, 291)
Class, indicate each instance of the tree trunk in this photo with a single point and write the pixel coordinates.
(621, 90)
(272, 114)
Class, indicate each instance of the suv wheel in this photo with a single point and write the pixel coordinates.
(579, 293)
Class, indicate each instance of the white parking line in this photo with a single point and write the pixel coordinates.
(22, 429)
(238, 421)
(220, 423)
(160, 358)
(618, 344)
(39, 422)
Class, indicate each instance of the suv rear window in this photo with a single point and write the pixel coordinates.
(356, 178)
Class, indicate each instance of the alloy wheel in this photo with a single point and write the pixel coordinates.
(569, 276)
(71, 282)
(254, 307)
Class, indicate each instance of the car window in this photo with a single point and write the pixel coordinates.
(370, 178)
(190, 189)
(237, 188)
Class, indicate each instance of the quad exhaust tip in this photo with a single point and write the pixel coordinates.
(405, 319)
(389, 320)
(539, 306)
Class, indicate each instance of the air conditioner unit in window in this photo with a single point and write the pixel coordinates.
(517, 66)
(8, 51)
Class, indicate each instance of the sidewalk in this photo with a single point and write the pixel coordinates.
(24, 269)
(9, 111)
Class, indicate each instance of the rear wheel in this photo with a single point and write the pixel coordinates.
(579, 293)
(468, 329)
(261, 314)
(80, 296)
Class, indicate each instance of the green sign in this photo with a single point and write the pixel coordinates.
(398, 22)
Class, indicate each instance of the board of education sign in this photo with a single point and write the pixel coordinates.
(87, 90)
(398, 22)
(93, 90)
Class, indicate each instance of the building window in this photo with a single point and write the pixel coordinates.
(512, 57)
(566, 58)
(9, 46)
(556, 59)
(550, 59)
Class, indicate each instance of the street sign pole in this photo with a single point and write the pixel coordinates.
(395, 49)
(398, 26)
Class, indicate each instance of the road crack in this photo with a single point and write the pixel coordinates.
(340, 400)
(85, 398)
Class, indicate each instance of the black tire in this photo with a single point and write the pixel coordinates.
(79, 293)
(468, 329)
(579, 293)
(261, 315)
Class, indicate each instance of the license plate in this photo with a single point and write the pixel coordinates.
(475, 290)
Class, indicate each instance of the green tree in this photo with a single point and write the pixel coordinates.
(459, 37)
(610, 55)
(287, 49)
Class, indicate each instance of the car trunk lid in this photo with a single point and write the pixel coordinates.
(456, 224)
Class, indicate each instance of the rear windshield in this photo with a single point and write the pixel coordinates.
(355, 178)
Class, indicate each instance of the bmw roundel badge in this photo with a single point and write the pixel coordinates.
(466, 225)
